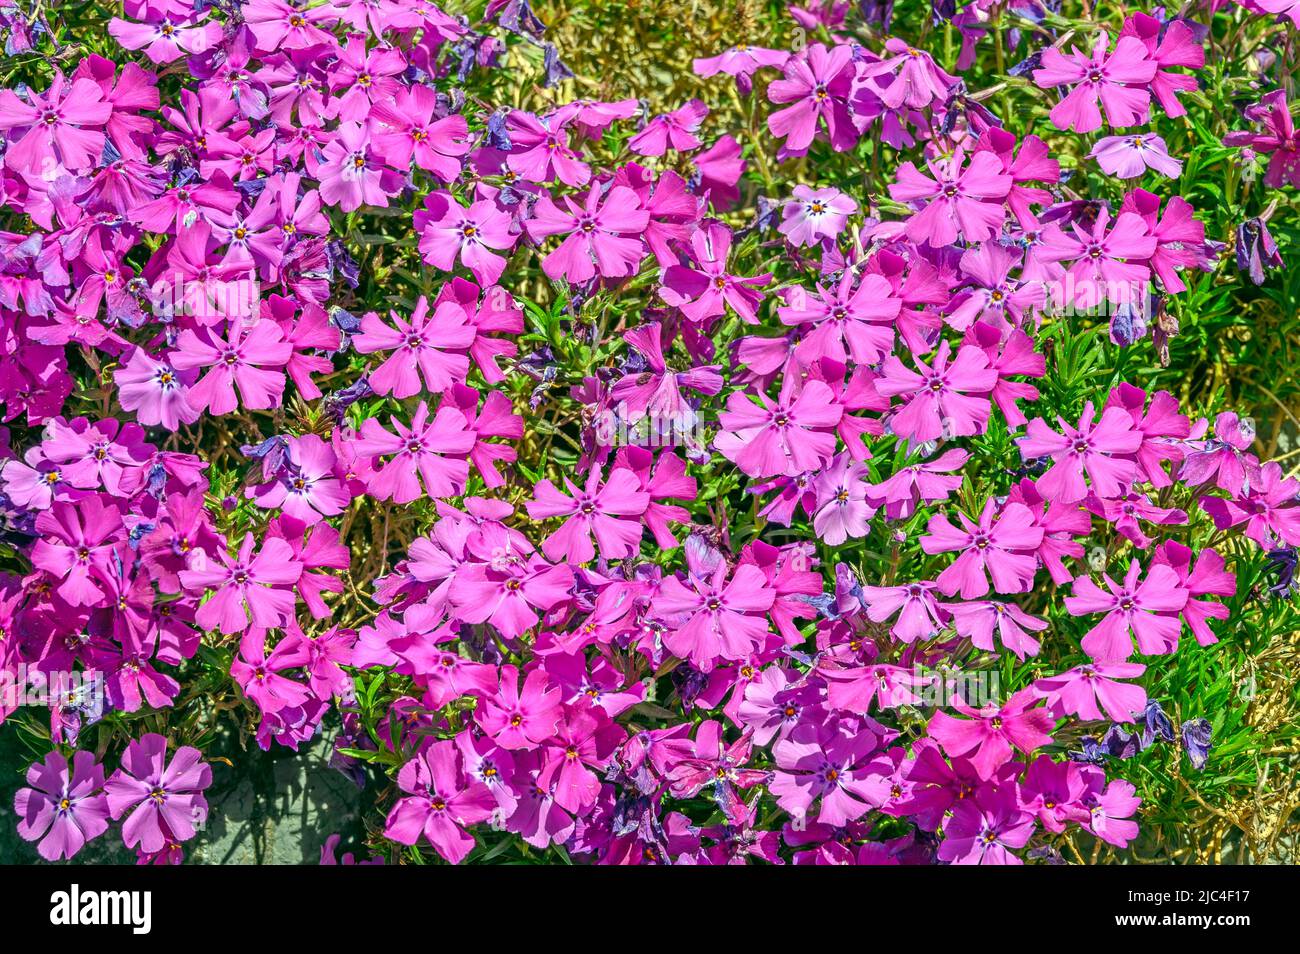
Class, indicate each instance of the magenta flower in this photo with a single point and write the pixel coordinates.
(740, 61)
(1139, 608)
(440, 802)
(1172, 44)
(449, 231)
(62, 809)
(540, 151)
(245, 358)
(715, 618)
(947, 398)
(816, 86)
(167, 30)
(509, 592)
(428, 346)
(76, 547)
(164, 798)
(1207, 577)
(704, 288)
(435, 144)
(1117, 78)
(1223, 457)
(520, 719)
(855, 320)
(260, 675)
(603, 234)
(599, 509)
(985, 829)
(1096, 448)
(352, 175)
(1267, 505)
(842, 507)
(790, 436)
(980, 620)
(307, 487)
(995, 547)
(64, 127)
(246, 586)
(1279, 140)
(1079, 691)
(656, 392)
(914, 604)
(1109, 813)
(427, 450)
(959, 203)
(675, 130)
(990, 733)
(1105, 266)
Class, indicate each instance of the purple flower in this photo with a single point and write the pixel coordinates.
(165, 800)
(62, 809)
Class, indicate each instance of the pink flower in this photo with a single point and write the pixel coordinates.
(306, 488)
(826, 762)
(509, 591)
(244, 358)
(449, 231)
(1223, 457)
(540, 151)
(675, 130)
(440, 802)
(988, 736)
(76, 547)
(260, 587)
(790, 436)
(1116, 78)
(1207, 577)
(165, 35)
(435, 144)
(703, 289)
(978, 622)
(715, 618)
(842, 507)
(1279, 140)
(259, 674)
(351, 174)
(852, 321)
(1267, 505)
(1171, 44)
(966, 204)
(946, 398)
(428, 346)
(1130, 607)
(914, 603)
(603, 234)
(993, 547)
(1093, 447)
(64, 127)
(817, 87)
(1109, 812)
(62, 809)
(520, 719)
(1106, 266)
(164, 798)
(740, 61)
(1079, 690)
(429, 449)
(1130, 156)
(983, 830)
(596, 509)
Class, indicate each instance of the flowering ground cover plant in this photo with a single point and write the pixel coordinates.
(850, 433)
